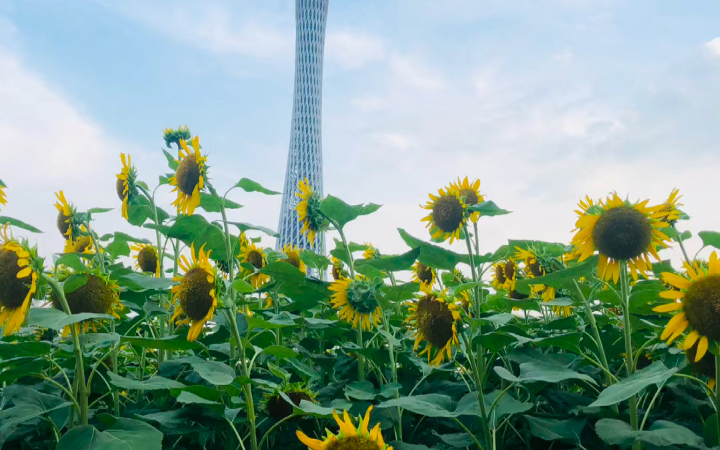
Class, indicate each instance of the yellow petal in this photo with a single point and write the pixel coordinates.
(674, 306)
(675, 280)
(691, 339)
(702, 348)
(314, 444)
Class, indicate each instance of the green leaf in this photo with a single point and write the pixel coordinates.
(542, 371)
(313, 260)
(552, 249)
(139, 210)
(123, 434)
(167, 343)
(709, 238)
(391, 263)
(142, 282)
(213, 372)
(661, 433)
(242, 286)
(19, 349)
(488, 208)
(430, 405)
(119, 246)
(249, 185)
(189, 397)
(342, 213)
(560, 278)
(151, 384)
(18, 223)
(243, 227)
(172, 163)
(552, 429)
(57, 320)
(280, 352)
(195, 230)
(433, 255)
(213, 203)
(99, 210)
(74, 282)
(710, 430)
(29, 405)
(73, 261)
(360, 390)
(656, 374)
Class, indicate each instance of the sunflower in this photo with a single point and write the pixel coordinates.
(370, 251)
(533, 267)
(705, 366)
(448, 216)
(254, 255)
(19, 269)
(81, 244)
(269, 301)
(147, 259)
(695, 304)
(309, 211)
(356, 301)
(670, 209)
(278, 408)
(338, 269)
(470, 194)
(619, 231)
(98, 295)
(292, 256)
(125, 184)
(349, 437)
(463, 300)
(189, 178)
(174, 136)
(435, 321)
(3, 196)
(66, 220)
(504, 275)
(195, 294)
(424, 275)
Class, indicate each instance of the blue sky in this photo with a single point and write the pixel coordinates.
(544, 101)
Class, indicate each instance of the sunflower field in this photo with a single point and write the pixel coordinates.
(202, 338)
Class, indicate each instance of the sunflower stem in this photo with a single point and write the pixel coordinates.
(682, 247)
(82, 391)
(596, 331)
(629, 359)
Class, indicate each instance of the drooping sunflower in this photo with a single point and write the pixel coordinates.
(356, 301)
(504, 275)
(423, 274)
(66, 220)
(81, 244)
(189, 178)
(174, 136)
(256, 257)
(447, 217)
(670, 211)
(3, 196)
(470, 194)
(705, 366)
(195, 295)
(349, 437)
(99, 295)
(292, 256)
(338, 269)
(19, 269)
(695, 304)
(620, 231)
(278, 408)
(309, 211)
(147, 259)
(125, 184)
(434, 320)
(370, 251)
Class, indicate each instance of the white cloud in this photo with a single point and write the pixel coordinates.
(413, 73)
(353, 50)
(714, 46)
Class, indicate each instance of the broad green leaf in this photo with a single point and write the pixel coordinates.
(360, 390)
(18, 223)
(552, 249)
(313, 260)
(150, 384)
(119, 246)
(391, 263)
(99, 210)
(142, 282)
(542, 371)
(74, 282)
(249, 185)
(430, 405)
(199, 232)
(189, 397)
(561, 277)
(662, 433)
(167, 343)
(172, 163)
(29, 405)
(73, 261)
(432, 255)
(342, 213)
(656, 374)
(710, 430)
(124, 434)
(456, 440)
(57, 320)
(488, 208)
(242, 286)
(213, 372)
(553, 429)
(243, 227)
(213, 203)
(280, 352)
(28, 348)
(310, 408)
(709, 238)
(139, 210)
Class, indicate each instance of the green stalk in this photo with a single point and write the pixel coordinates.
(82, 394)
(629, 360)
(596, 331)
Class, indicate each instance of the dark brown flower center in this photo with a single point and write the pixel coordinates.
(147, 260)
(622, 233)
(293, 258)
(95, 296)
(702, 306)
(187, 175)
(81, 243)
(120, 188)
(435, 321)
(447, 213)
(509, 270)
(500, 273)
(424, 273)
(13, 290)
(706, 366)
(256, 259)
(535, 268)
(470, 196)
(353, 443)
(337, 271)
(63, 223)
(194, 295)
(279, 409)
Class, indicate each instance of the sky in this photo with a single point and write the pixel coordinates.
(544, 101)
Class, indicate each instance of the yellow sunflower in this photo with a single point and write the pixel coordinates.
(447, 217)
(189, 178)
(98, 295)
(3, 196)
(254, 255)
(292, 256)
(125, 184)
(470, 194)
(309, 211)
(66, 216)
(81, 244)
(434, 320)
(349, 437)
(423, 274)
(195, 294)
(504, 275)
(620, 231)
(370, 251)
(147, 258)
(174, 136)
(695, 304)
(670, 209)
(18, 281)
(338, 269)
(356, 301)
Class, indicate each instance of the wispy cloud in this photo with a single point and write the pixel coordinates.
(351, 50)
(714, 46)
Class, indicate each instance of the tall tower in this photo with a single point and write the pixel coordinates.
(305, 153)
